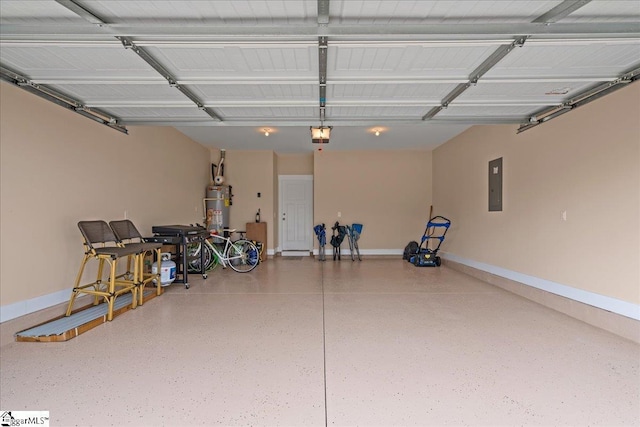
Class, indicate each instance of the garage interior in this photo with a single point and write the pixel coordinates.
(534, 316)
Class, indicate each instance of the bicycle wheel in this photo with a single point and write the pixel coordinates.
(213, 258)
(243, 256)
(193, 257)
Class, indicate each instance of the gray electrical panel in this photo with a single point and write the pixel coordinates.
(495, 185)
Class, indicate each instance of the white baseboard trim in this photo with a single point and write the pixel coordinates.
(623, 308)
(345, 251)
(295, 253)
(21, 308)
(603, 302)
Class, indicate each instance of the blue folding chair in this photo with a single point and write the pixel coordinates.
(321, 234)
(353, 233)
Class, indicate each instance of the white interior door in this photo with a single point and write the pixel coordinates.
(296, 212)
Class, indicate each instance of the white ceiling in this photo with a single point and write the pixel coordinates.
(223, 71)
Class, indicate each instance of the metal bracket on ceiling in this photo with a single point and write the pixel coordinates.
(322, 75)
(476, 75)
(560, 11)
(579, 100)
(60, 99)
(323, 45)
(82, 12)
(142, 53)
(323, 12)
(160, 69)
(322, 67)
(128, 44)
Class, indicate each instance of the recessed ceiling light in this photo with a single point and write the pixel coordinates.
(267, 131)
(378, 130)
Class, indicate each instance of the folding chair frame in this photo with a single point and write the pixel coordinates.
(98, 233)
(129, 237)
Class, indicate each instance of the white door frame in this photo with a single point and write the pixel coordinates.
(282, 178)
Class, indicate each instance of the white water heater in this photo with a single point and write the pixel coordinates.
(217, 205)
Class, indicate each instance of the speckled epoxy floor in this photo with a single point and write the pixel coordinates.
(300, 342)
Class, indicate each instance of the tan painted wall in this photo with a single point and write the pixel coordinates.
(59, 168)
(295, 164)
(55, 165)
(249, 173)
(387, 191)
(586, 163)
(264, 167)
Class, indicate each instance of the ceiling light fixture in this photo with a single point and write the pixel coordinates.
(320, 134)
(378, 130)
(266, 132)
